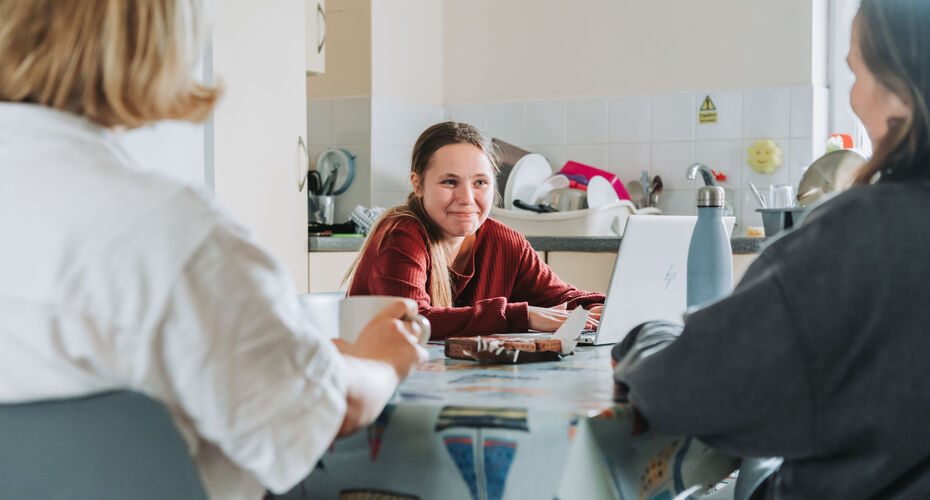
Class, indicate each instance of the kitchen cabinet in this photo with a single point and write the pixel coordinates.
(258, 54)
(592, 271)
(584, 270)
(741, 263)
(315, 16)
(327, 269)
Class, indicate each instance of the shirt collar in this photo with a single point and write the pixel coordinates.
(23, 121)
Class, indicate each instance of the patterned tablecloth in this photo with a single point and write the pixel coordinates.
(457, 430)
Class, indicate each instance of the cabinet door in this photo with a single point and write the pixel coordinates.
(327, 270)
(315, 16)
(592, 271)
(585, 270)
(258, 59)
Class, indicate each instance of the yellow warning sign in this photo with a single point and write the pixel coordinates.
(708, 112)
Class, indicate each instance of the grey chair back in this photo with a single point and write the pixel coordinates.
(114, 445)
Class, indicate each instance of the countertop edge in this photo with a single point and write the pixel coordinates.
(741, 246)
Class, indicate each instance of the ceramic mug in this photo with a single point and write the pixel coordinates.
(345, 317)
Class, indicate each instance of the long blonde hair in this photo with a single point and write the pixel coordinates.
(116, 62)
(433, 138)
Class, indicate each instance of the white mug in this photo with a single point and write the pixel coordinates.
(345, 317)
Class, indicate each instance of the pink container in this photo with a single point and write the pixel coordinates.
(574, 168)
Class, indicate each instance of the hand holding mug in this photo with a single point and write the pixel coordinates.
(383, 328)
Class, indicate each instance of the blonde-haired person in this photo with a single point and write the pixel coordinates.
(111, 277)
(470, 275)
(820, 355)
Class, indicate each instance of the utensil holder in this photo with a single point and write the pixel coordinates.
(320, 208)
(776, 220)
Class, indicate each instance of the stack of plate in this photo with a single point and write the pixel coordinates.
(527, 175)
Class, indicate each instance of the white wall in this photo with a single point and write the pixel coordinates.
(842, 117)
(616, 84)
(542, 49)
(662, 134)
(406, 50)
(406, 89)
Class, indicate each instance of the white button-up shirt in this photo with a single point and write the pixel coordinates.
(111, 277)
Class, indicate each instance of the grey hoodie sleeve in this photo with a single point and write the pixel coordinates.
(643, 341)
(733, 378)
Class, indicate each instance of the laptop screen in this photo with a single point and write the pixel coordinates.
(649, 275)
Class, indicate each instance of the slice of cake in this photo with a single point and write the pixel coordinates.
(502, 349)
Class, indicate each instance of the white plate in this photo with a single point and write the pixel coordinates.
(527, 174)
(601, 192)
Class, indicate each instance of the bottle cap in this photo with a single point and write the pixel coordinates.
(711, 196)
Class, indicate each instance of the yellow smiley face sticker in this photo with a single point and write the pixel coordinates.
(764, 156)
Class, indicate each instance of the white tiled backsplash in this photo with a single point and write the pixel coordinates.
(624, 135)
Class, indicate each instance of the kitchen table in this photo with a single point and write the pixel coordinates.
(458, 430)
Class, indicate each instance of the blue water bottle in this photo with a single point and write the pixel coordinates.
(710, 258)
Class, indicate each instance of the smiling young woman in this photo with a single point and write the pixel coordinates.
(470, 275)
(457, 192)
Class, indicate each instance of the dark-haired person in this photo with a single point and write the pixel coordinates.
(822, 353)
(125, 279)
(470, 275)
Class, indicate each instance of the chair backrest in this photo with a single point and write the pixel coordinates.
(112, 445)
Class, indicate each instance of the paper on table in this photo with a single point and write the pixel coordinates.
(570, 330)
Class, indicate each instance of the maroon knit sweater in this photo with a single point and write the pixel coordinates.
(505, 275)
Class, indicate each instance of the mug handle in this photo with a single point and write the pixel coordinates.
(424, 325)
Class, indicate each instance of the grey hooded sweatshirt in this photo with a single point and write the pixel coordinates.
(821, 355)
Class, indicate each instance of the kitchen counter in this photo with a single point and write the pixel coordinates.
(741, 246)
(335, 244)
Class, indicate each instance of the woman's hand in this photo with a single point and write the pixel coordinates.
(594, 316)
(389, 339)
(549, 319)
(384, 353)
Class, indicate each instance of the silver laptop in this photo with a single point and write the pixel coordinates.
(649, 278)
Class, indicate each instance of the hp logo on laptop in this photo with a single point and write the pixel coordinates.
(670, 276)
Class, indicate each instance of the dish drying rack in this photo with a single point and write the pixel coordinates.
(608, 220)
